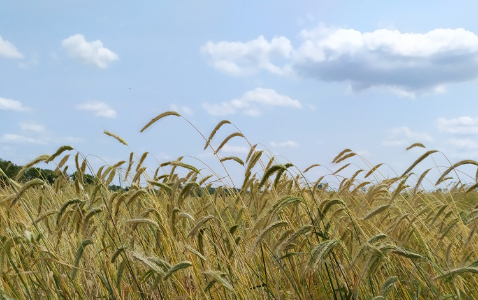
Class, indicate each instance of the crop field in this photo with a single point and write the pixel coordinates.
(278, 235)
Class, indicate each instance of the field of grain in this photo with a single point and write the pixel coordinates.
(277, 236)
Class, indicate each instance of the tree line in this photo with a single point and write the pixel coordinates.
(11, 170)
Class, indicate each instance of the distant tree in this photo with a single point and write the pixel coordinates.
(44, 174)
(11, 170)
(87, 179)
(114, 188)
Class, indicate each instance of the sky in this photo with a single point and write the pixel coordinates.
(302, 79)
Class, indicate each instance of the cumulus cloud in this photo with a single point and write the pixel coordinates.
(250, 103)
(403, 136)
(8, 50)
(461, 125)
(100, 109)
(36, 134)
(289, 144)
(20, 139)
(235, 149)
(34, 127)
(410, 62)
(242, 58)
(40, 138)
(89, 53)
(182, 109)
(226, 150)
(407, 63)
(466, 144)
(9, 104)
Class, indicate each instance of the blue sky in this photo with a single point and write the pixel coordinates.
(304, 79)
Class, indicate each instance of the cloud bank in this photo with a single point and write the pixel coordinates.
(100, 109)
(89, 53)
(410, 64)
(251, 102)
(8, 50)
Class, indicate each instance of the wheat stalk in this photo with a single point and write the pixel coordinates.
(340, 154)
(135, 222)
(376, 211)
(421, 158)
(416, 145)
(37, 160)
(157, 118)
(340, 169)
(227, 140)
(460, 163)
(214, 131)
(141, 160)
(310, 167)
(218, 276)
(458, 271)
(177, 267)
(58, 153)
(346, 156)
(122, 141)
(199, 224)
(235, 158)
(79, 254)
(180, 164)
(373, 170)
(26, 186)
(266, 230)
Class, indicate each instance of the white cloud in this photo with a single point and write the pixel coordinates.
(182, 109)
(242, 58)
(461, 125)
(20, 139)
(9, 50)
(34, 62)
(89, 53)
(463, 143)
(248, 103)
(163, 156)
(235, 149)
(289, 144)
(412, 63)
(37, 134)
(100, 109)
(8, 104)
(226, 150)
(409, 64)
(403, 136)
(32, 127)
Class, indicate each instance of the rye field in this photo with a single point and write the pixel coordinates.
(174, 233)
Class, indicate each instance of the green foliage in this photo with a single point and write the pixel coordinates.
(87, 178)
(11, 170)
